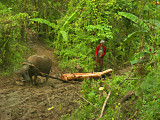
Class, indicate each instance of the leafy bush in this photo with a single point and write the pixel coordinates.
(95, 92)
(12, 48)
(141, 56)
(80, 33)
(150, 91)
(17, 55)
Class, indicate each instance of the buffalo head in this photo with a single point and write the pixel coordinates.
(25, 72)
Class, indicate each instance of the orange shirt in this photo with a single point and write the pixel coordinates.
(104, 49)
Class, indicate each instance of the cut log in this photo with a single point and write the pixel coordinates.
(71, 76)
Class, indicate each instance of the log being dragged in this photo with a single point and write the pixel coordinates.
(71, 76)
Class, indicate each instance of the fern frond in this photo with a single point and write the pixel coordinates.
(70, 19)
(134, 19)
(64, 35)
(43, 21)
(130, 36)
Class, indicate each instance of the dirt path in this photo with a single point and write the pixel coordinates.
(32, 102)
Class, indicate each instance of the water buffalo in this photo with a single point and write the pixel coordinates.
(34, 66)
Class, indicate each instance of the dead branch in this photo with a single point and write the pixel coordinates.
(132, 116)
(127, 96)
(127, 77)
(104, 105)
(133, 79)
(58, 10)
(87, 101)
(152, 62)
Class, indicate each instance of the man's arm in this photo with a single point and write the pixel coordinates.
(97, 48)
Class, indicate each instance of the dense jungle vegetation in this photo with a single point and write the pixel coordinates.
(73, 29)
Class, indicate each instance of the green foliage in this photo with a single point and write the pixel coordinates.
(150, 90)
(12, 49)
(132, 36)
(79, 36)
(95, 92)
(64, 35)
(70, 19)
(100, 31)
(16, 57)
(141, 56)
(43, 21)
(134, 19)
(76, 55)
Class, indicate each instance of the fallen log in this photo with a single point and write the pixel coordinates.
(71, 76)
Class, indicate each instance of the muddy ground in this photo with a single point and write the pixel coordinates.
(29, 102)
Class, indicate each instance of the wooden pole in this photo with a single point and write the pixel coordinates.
(70, 76)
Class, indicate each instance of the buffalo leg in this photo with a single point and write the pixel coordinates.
(31, 80)
(34, 80)
(47, 79)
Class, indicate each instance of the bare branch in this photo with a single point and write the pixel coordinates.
(127, 76)
(132, 116)
(104, 105)
(57, 10)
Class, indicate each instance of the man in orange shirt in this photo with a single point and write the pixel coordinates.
(100, 53)
(157, 3)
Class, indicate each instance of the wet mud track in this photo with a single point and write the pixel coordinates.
(33, 102)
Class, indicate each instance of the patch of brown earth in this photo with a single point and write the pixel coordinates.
(47, 101)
